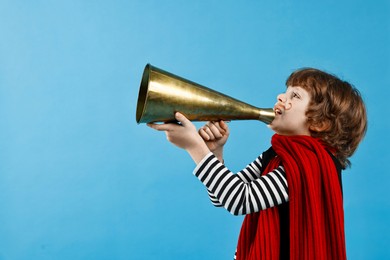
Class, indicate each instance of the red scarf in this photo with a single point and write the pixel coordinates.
(316, 208)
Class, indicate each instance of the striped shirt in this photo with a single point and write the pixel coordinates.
(245, 192)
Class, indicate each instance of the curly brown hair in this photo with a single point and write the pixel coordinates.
(336, 112)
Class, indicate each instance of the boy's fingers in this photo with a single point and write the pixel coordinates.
(203, 134)
(207, 130)
(216, 130)
(224, 126)
(160, 127)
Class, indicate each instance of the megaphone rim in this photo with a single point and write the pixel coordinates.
(143, 93)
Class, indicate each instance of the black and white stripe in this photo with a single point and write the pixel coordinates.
(252, 171)
(245, 192)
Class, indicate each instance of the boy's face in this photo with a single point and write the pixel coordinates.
(290, 112)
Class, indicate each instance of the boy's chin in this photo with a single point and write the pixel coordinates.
(273, 127)
(279, 131)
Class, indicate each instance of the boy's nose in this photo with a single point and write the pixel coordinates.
(281, 98)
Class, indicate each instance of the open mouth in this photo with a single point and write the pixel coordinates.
(277, 111)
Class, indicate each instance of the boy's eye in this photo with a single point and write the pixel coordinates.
(295, 95)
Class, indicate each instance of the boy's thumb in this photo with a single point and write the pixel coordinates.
(181, 118)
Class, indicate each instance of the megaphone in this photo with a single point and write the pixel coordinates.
(161, 94)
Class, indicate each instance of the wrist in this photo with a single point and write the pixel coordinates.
(198, 152)
(218, 153)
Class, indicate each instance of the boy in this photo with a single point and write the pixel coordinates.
(292, 193)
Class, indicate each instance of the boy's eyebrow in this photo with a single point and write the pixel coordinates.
(298, 88)
(292, 88)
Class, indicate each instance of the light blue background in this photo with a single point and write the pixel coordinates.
(79, 179)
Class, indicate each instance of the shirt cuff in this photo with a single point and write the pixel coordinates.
(210, 154)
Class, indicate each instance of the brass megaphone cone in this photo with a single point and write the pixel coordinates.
(161, 94)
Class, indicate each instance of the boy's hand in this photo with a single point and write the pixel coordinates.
(215, 134)
(185, 136)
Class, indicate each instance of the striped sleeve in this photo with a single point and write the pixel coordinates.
(251, 172)
(245, 192)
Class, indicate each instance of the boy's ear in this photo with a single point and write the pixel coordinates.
(320, 127)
